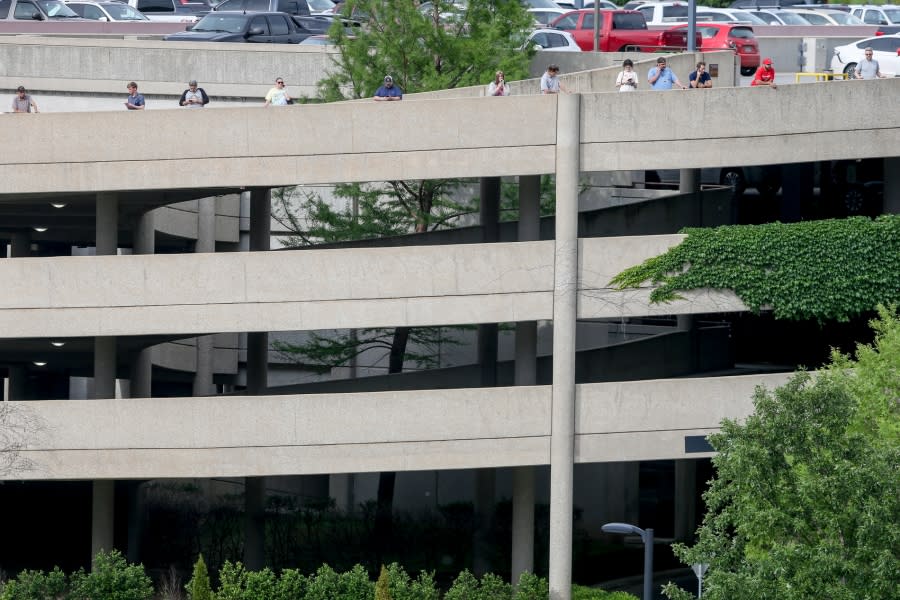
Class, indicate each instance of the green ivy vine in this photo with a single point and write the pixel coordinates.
(823, 270)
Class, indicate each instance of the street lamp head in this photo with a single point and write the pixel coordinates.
(622, 529)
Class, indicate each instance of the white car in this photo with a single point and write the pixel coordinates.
(106, 11)
(664, 13)
(553, 39)
(825, 17)
(604, 4)
(545, 16)
(885, 49)
(878, 15)
(777, 16)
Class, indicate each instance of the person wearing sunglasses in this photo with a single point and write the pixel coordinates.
(278, 95)
(868, 68)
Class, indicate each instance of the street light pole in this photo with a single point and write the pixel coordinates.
(647, 539)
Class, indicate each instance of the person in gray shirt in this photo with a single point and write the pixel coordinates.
(868, 67)
(22, 102)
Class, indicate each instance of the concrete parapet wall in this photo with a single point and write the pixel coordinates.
(397, 431)
(180, 219)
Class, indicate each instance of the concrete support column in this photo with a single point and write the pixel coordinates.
(104, 367)
(562, 434)
(254, 523)
(685, 499)
(20, 245)
(15, 385)
(892, 185)
(689, 181)
(107, 224)
(102, 504)
(341, 487)
(142, 368)
(525, 374)
(203, 345)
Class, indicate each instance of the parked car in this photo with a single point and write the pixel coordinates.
(321, 7)
(553, 39)
(727, 15)
(36, 10)
(291, 7)
(826, 17)
(857, 187)
(172, 11)
(664, 13)
(106, 11)
(604, 4)
(726, 36)
(250, 27)
(885, 49)
(545, 16)
(878, 15)
(779, 17)
(766, 179)
(620, 31)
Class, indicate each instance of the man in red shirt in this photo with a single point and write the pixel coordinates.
(765, 75)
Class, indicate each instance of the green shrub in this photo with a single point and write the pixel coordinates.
(467, 587)
(291, 585)
(198, 587)
(404, 588)
(580, 592)
(112, 578)
(232, 581)
(35, 585)
(260, 585)
(532, 587)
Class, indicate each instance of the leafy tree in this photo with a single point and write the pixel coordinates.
(35, 585)
(806, 499)
(198, 588)
(443, 49)
(382, 586)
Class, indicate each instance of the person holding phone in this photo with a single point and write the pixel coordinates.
(700, 78)
(626, 81)
(498, 86)
(661, 77)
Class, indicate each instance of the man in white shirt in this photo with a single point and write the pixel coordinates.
(868, 68)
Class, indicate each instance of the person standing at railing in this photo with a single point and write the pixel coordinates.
(765, 75)
(700, 79)
(550, 83)
(23, 102)
(868, 67)
(661, 77)
(135, 101)
(498, 86)
(626, 80)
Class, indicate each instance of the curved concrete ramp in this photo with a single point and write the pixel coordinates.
(396, 431)
(431, 139)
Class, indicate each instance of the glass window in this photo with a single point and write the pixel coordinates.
(629, 21)
(4, 8)
(815, 19)
(540, 39)
(25, 10)
(884, 44)
(278, 25)
(744, 33)
(256, 5)
(588, 21)
(671, 12)
(893, 14)
(568, 22)
(872, 17)
(156, 6)
(92, 12)
(260, 22)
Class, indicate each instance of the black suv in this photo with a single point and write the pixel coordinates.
(255, 27)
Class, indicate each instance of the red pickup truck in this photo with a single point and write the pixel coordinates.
(620, 31)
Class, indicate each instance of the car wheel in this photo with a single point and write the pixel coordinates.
(849, 69)
(747, 71)
(734, 178)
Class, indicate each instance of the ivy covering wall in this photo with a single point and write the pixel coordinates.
(823, 270)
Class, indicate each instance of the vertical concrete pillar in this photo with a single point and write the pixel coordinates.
(142, 368)
(254, 523)
(525, 374)
(892, 185)
(107, 224)
(689, 183)
(257, 382)
(102, 503)
(341, 487)
(685, 499)
(203, 345)
(16, 383)
(104, 367)
(20, 245)
(565, 283)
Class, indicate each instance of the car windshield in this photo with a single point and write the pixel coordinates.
(56, 9)
(320, 5)
(789, 18)
(123, 12)
(843, 18)
(743, 15)
(220, 22)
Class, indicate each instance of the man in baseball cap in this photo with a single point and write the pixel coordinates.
(388, 92)
(765, 75)
(23, 102)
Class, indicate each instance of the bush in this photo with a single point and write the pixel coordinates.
(35, 585)
(585, 593)
(198, 587)
(532, 587)
(112, 578)
(467, 587)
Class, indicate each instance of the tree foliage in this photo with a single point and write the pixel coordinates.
(442, 49)
(822, 270)
(198, 588)
(806, 499)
